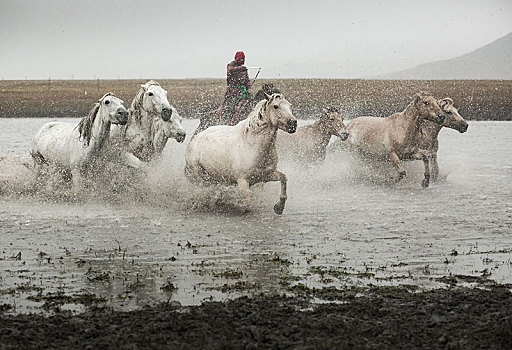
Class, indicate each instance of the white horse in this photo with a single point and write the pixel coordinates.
(165, 130)
(151, 117)
(244, 154)
(73, 147)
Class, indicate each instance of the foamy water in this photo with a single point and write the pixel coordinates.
(342, 226)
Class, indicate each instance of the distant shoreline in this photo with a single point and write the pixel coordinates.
(475, 99)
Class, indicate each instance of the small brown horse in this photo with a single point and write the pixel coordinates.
(309, 142)
(396, 136)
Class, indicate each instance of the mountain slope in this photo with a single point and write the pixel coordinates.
(492, 61)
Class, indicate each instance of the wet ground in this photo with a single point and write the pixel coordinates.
(344, 230)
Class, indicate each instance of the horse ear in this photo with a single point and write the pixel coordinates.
(107, 94)
(445, 103)
(267, 96)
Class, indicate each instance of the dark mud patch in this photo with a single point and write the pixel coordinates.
(384, 318)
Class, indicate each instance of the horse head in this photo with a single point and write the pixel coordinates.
(279, 113)
(153, 99)
(453, 119)
(114, 109)
(174, 128)
(109, 108)
(427, 108)
(332, 123)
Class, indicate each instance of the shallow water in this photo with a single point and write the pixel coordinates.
(342, 226)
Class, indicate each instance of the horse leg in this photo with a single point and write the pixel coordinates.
(279, 176)
(434, 171)
(134, 162)
(398, 165)
(236, 116)
(77, 180)
(243, 186)
(423, 155)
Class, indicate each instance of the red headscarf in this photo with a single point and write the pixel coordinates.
(240, 57)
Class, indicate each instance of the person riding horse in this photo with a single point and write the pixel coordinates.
(237, 92)
(211, 118)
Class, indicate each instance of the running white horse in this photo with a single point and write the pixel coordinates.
(244, 154)
(151, 118)
(162, 131)
(395, 136)
(73, 147)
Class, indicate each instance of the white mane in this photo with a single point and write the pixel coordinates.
(258, 119)
(136, 105)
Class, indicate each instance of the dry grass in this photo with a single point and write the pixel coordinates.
(477, 100)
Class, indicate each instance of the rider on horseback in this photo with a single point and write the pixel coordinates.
(237, 92)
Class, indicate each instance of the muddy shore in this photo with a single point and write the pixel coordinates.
(384, 318)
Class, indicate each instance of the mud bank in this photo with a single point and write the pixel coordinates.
(385, 318)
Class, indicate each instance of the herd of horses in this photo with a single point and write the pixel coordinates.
(246, 153)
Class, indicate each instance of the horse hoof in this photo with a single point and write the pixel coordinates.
(278, 208)
(425, 183)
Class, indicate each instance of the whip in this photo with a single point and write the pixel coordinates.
(259, 70)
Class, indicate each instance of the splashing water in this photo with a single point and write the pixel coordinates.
(128, 235)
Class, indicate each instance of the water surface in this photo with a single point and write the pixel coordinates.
(342, 226)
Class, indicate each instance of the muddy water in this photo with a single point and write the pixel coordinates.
(343, 226)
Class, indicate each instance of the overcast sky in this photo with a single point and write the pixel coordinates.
(87, 39)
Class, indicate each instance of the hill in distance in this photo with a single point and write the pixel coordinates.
(490, 62)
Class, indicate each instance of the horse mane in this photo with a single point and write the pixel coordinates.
(331, 109)
(267, 88)
(136, 104)
(257, 121)
(417, 97)
(85, 125)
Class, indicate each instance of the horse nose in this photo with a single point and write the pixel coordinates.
(291, 125)
(166, 113)
(463, 128)
(122, 115)
(344, 135)
(181, 137)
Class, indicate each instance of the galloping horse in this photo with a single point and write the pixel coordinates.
(396, 136)
(244, 154)
(137, 137)
(213, 118)
(309, 142)
(429, 131)
(73, 147)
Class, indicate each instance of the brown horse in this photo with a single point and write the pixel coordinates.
(309, 142)
(216, 116)
(427, 138)
(396, 136)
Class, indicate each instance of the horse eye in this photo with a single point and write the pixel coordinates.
(448, 112)
(427, 103)
(107, 102)
(276, 106)
(150, 93)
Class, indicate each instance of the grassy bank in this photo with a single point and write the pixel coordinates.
(476, 99)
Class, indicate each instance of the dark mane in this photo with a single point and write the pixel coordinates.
(331, 109)
(85, 125)
(267, 88)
